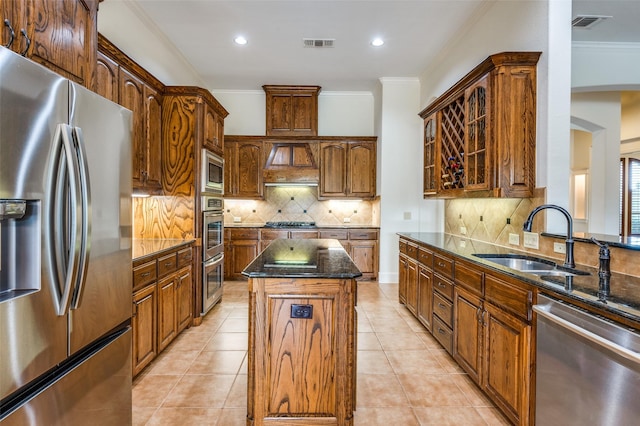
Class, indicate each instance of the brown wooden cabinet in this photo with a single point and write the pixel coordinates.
(144, 325)
(213, 138)
(243, 169)
(309, 363)
(61, 35)
(424, 306)
(480, 135)
(162, 302)
(347, 169)
(291, 110)
(123, 81)
(241, 247)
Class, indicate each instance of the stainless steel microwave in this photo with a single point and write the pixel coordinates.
(212, 173)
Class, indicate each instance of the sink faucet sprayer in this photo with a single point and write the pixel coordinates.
(568, 259)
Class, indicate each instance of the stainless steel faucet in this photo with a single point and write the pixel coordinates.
(568, 258)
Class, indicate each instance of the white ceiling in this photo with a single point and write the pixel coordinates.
(415, 32)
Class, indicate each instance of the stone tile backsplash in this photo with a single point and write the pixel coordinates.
(492, 220)
(301, 204)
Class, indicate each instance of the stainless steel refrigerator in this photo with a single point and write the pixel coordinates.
(65, 260)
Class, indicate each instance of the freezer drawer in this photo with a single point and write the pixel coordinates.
(96, 389)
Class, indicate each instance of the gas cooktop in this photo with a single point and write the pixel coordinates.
(290, 225)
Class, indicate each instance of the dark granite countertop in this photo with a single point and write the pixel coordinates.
(303, 258)
(318, 227)
(142, 248)
(623, 298)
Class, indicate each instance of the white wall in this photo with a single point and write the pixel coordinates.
(401, 170)
(503, 27)
(599, 113)
(605, 66)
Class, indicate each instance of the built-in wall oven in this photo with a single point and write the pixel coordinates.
(212, 251)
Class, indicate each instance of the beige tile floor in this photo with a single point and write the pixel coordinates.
(405, 378)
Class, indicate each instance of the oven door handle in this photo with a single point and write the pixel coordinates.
(216, 259)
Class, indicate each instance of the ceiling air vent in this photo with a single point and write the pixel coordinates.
(318, 42)
(587, 21)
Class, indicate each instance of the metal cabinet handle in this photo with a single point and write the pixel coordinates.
(441, 331)
(12, 34)
(442, 265)
(24, 34)
(145, 274)
(441, 285)
(168, 263)
(441, 306)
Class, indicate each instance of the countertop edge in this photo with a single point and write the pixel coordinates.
(158, 247)
(580, 296)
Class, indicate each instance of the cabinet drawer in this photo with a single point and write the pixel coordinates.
(425, 257)
(443, 308)
(443, 286)
(273, 235)
(144, 274)
(403, 246)
(412, 251)
(443, 265)
(337, 234)
(167, 264)
(515, 300)
(443, 334)
(363, 235)
(245, 234)
(469, 278)
(303, 234)
(185, 256)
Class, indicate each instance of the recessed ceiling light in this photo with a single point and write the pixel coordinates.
(377, 42)
(241, 40)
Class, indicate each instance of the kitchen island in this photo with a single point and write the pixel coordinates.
(302, 325)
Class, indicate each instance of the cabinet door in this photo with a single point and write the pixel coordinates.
(249, 157)
(361, 170)
(230, 169)
(185, 297)
(425, 290)
(430, 176)
(152, 138)
(403, 266)
(244, 251)
(131, 96)
(507, 363)
(365, 255)
(64, 37)
(143, 324)
(292, 114)
(16, 13)
(412, 286)
(107, 77)
(467, 333)
(477, 154)
(213, 130)
(167, 325)
(333, 169)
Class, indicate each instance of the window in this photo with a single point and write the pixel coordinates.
(630, 197)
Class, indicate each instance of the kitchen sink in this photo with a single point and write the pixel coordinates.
(530, 264)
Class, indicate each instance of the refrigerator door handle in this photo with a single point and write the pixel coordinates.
(85, 216)
(64, 231)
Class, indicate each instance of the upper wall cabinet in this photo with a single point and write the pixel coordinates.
(480, 135)
(122, 80)
(348, 169)
(292, 110)
(243, 162)
(61, 35)
(192, 119)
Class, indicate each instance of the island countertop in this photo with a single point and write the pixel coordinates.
(303, 258)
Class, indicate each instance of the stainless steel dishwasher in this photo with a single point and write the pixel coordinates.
(588, 368)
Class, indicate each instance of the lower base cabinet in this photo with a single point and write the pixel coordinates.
(143, 323)
(482, 318)
(162, 303)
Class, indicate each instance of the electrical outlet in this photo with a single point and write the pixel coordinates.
(531, 240)
(560, 248)
(514, 239)
(463, 244)
(346, 220)
(463, 230)
(237, 219)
